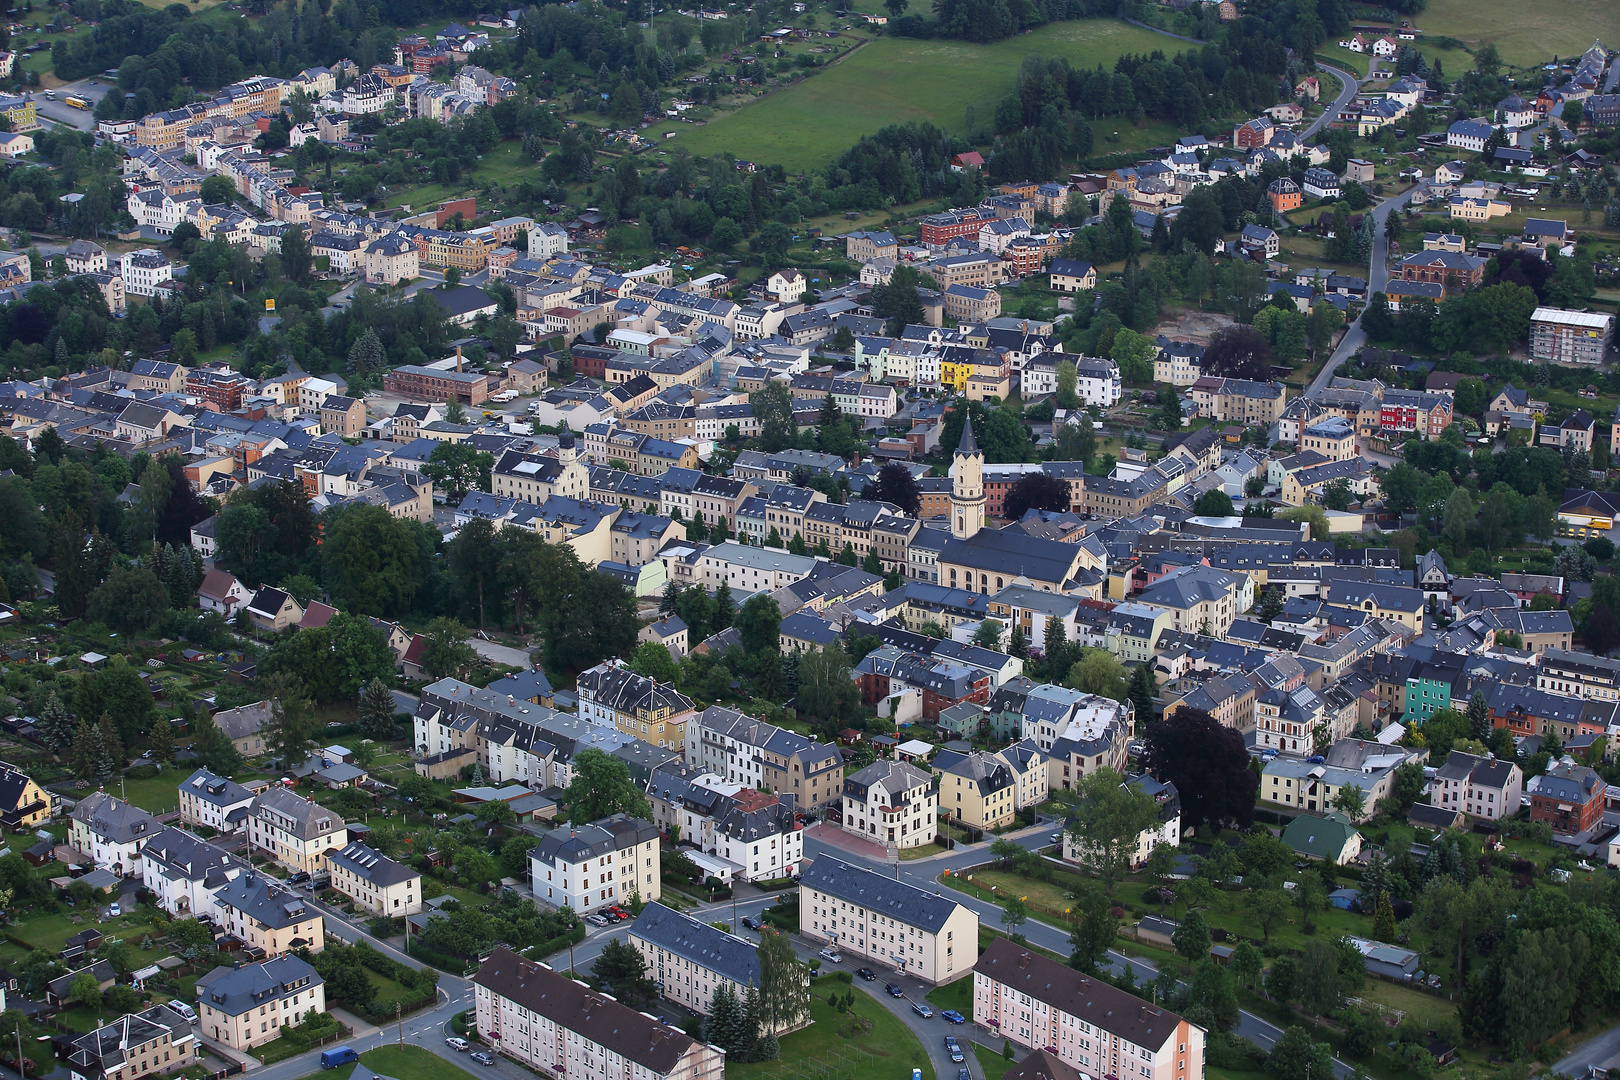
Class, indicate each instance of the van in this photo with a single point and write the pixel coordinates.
(184, 1010)
(338, 1055)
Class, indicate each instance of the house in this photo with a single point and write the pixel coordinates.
(891, 802)
(611, 694)
(294, 831)
(529, 1010)
(213, 802)
(1071, 276)
(1253, 134)
(1331, 839)
(1481, 787)
(24, 805)
(266, 915)
(601, 864)
(1469, 135)
(243, 1006)
(978, 789)
(924, 933)
(1081, 1020)
(272, 611)
(1284, 195)
(1321, 184)
(1260, 240)
(152, 1042)
(184, 873)
(689, 960)
(375, 882)
(242, 726)
(111, 832)
(1569, 798)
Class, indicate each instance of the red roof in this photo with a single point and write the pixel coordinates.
(316, 615)
(413, 655)
(972, 157)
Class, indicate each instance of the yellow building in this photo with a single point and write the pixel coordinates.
(977, 789)
(23, 803)
(611, 694)
(375, 882)
(267, 915)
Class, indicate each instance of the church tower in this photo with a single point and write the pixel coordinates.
(967, 486)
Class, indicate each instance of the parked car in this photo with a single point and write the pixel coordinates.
(1057, 837)
(456, 1042)
(115, 911)
(921, 1009)
(482, 1058)
(866, 973)
(751, 923)
(894, 991)
(619, 912)
(953, 1016)
(832, 955)
(954, 1050)
(184, 1010)
(596, 920)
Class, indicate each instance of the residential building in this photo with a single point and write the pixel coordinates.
(1570, 337)
(1201, 599)
(1331, 838)
(269, 916)
(1089, 1024)
(148, 1043)
(1071, 276)
(272, 610)
(294, 831)
(184, 872)
(1165, 831)
(922, 933)
(689, 960)
(598, 865)
(1481, 787)
(374, 881)
(111, 833)
(24, 805)
(978, 789)
(242, 1007)
(557, 1025)
(1570, 798)
(242, 726)
(891, 802)
(213, 802)
(612, 695)
(144, 271)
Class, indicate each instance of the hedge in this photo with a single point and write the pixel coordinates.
(557, 944)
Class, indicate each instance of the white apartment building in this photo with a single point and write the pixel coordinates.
(375, 882)
(750, 569)
(1097, 381)
(111, 833)
(924, 934)
(553, 1024)
(588, 867)
(143, 271)
(891, 802)
(214, 802)
(1093, 1026)
(1481, 787)
(690, 960)
(293, 831)
(185, 872)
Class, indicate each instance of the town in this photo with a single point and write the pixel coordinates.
(605, 541)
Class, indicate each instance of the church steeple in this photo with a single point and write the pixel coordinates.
(967, 485)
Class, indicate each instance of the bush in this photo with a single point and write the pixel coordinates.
(1227, 1051)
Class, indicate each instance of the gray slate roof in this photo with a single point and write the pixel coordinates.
(704, 945)
(897, 900)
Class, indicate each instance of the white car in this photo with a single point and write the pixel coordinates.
(832, 955)
(115, 911)
(455, 1042)
(184, 1010)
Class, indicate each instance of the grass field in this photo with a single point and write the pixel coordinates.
(892, 80)
(888, 1049)
(1523, 36)
(403, 1063)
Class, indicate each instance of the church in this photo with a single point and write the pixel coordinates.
(984, 560)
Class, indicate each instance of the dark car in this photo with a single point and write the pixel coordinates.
(963, 1074)
(867, 974)
(481, 1057)
(752, 923)
(953, 1016)
(894, 991)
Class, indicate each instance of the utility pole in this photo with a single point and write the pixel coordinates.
(399, 1019)
(22, 1062)
(734, 928)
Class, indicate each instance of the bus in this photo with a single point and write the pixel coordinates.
(78, 103)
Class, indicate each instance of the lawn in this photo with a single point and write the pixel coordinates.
(887, 1048)
(957, 995)
(992, 1061)
(893, 80)
(1523, 36)
(921, 852)
(403, 1063)
(1429, 1009)
(155, 794)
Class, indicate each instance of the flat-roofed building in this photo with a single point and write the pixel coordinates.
(1570, 337)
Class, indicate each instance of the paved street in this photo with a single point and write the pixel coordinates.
(1350, 86)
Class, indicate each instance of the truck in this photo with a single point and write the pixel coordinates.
(78, 102)
(338, 1055)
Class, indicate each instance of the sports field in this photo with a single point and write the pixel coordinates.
(892, 80)
(1525, 34)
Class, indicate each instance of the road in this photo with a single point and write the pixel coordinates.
(1600, 1051)
(1351, 86)
(1377, 276)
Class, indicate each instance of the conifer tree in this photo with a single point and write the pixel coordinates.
(1384, 919)
(85, 742)
(53, 725)
(726, 1025)
(377, 711)
(109, 751)
(212, 746)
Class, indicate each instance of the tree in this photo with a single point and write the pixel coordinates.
(1109, 817)
(445, 649)
(895, 484)
(1266, 907)
(52, 725)
(759, 624)
(1321, 988)
(654, 661)
(784, 992)
(773, 406)
(1238, 352)
(988, 635)
(212, 746)
(1014, 914)
(622, 967)
(1384, 919)
(1209, 765)
(726, 1026)
(85, 989)
(369, 560)
(1351, 800)
(1098, 671)
(1093, 933)
(1294, 1057)
(129, 601)
(825, 689)
(1246, 964)
(1214, 503)
(1192, 939)
(601, 787)
(291, 724)
(1601, 631)
(376, 712)
(459, 468)
(1036, 491)
(1211, 1001)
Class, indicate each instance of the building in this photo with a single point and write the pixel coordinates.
(598, 865)
(294, 831)
(213, 802)
(184, 873)
(391, 260)
(268, 916)
(614, 696)
(560, 1027)
(891, 802)
(1284, 195)
(1569, 798)
(271, 610)
(924, 934)
(242, 726)
(978, 789)
(1570, 337)
(144, 271)
(24, 805)
(1071, 276)
(374, 881)
(433, 384)
(111, 833)
(242, 1007)
(1331, 839)
(1481, 787)
(343, 416)
(1090, 1025)
(1167, 830)
(690, 959)
(152, 1042)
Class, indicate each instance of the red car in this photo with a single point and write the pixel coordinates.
(619, 913)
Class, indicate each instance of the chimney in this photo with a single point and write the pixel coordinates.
(1023, 960)
(458, 359)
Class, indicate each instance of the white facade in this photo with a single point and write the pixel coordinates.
(1097, 381)
(143, 271)
(891, 803)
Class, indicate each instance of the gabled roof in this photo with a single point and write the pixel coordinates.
(894, 899)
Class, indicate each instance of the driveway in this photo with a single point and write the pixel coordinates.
(500, 654)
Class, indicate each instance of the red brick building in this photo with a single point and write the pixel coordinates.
(940, 229)
(221, 389)
(1254, 134)
(1569, 798)
(1454, 270)
(435, 384)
